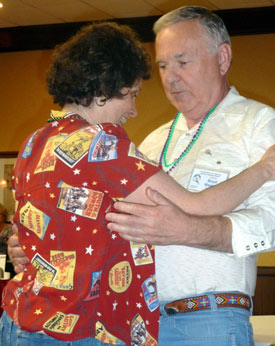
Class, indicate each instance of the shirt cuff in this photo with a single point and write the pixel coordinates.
(248, 237)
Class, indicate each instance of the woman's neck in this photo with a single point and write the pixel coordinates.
(85, 112)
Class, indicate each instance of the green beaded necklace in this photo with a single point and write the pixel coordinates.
(70, 115)
(163, 158)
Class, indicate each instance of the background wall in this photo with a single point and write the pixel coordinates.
(25, 103)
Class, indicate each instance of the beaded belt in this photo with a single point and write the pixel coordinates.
(203, 302)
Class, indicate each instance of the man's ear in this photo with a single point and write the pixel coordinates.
(225, 57)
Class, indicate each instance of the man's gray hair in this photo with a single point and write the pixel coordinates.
(212, 24)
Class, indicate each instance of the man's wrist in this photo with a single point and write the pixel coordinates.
(208, 232)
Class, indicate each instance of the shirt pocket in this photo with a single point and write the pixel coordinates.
(225, 157)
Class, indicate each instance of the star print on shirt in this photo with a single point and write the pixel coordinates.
(55, 123)
(139, 306)
(78, 229)
(115, 303)
(47, 185)
(99, 314)
(76, 171)
(89, 250)
(85, 183)
(94, 183)
(63, 298)
(94, 231)
(38, 312)
(33, 248)
(140, 166)
(73, 218)
(124, 181)
(28, 177)
(52, 195)
(114, 236)
(52, 236)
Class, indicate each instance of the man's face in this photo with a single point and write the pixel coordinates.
(189, 71)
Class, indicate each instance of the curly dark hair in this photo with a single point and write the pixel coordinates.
(99, 60)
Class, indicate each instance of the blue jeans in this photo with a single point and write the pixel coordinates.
(213, 327)
(12, 335)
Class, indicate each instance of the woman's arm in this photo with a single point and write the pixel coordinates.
(217, 200)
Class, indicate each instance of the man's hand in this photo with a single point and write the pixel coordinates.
(16, 253)
(166, 224)
(160, 224)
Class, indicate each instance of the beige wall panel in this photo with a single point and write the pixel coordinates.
(25, 104)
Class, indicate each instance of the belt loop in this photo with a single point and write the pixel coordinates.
(162, 309)
(212, 300)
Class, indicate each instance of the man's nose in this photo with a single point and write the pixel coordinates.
(171, 75)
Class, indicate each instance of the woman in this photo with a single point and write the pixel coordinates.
(85, 285)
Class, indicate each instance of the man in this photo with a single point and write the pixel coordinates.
(216, 135)
(206, 273)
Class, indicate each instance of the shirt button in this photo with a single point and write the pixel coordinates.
(247, 247)
(256, 245)
(262, 242)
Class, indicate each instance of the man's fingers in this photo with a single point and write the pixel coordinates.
(18, 268)
(16, 253)
(129, 208)
(121, 223)
(18, 257)
(13, 241)
(20, 260)
(119, 218)
(15, 229)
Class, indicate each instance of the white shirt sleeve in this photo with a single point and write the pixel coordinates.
(254, 226)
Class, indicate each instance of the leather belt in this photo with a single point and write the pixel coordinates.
(203, 302)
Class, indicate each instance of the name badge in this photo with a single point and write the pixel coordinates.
(203, 178)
